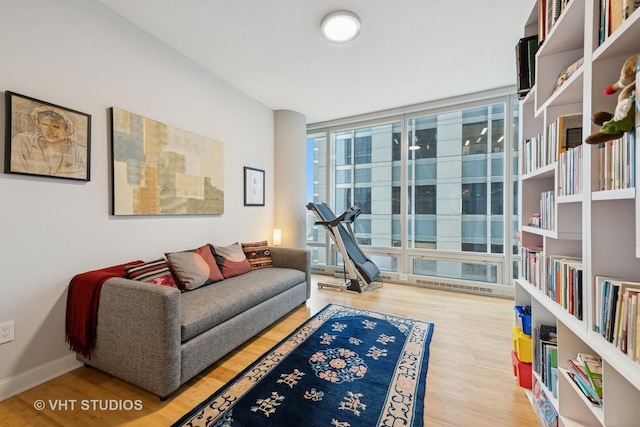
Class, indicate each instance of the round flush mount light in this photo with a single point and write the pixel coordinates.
(340, 26)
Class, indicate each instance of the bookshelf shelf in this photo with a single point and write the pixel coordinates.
(596, 411)
(621, 194)
(595, 231)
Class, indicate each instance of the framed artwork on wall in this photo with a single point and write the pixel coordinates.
(45, 139)
(159, 169)
(253, 187)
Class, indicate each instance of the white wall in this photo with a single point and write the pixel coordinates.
(80, 55)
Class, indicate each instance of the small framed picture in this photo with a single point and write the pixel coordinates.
(44, 139)
(253, 187)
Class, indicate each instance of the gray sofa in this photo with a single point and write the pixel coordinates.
(158, 338)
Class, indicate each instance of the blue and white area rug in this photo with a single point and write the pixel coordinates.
(344, 367)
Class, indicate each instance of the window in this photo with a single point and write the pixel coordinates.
(427, 183)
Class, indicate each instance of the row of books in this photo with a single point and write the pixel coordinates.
(617, 160)
(559, 277)
(546, 356)
(549, 12)
(617, 315)
(612, 15)
(547, 210)
(570, 172)
(532, 265)
(586, 372)
(545, 148)
(565, 285)
(536, 154)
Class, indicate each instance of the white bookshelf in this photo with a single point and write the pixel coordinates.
(600, 227)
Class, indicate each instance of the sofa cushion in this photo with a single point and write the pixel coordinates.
(258, 254)
(231, 260)
(208, 306)
(156, 272)
(194, 268)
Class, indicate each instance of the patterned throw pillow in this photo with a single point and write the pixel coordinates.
(258, 254)
(156, 272)
(231, 260)
(194, 268)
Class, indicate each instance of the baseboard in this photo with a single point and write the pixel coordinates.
(14, 385)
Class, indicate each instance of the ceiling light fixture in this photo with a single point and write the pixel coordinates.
(340, 26)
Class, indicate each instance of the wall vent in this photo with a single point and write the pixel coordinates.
(447, 285)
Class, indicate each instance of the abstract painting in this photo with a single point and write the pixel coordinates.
(162, 170)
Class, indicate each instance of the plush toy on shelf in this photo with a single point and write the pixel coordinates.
(613, 126)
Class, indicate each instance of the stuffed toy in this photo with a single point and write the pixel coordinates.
(613, 126)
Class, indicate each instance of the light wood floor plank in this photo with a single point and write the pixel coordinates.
(470, 378)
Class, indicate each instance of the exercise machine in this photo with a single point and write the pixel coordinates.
(360, 270)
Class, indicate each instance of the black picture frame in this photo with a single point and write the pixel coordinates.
(253, 186)
(45, 139)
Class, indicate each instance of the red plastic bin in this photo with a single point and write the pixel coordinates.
(522, 371)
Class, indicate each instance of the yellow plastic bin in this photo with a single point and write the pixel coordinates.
(521, 344)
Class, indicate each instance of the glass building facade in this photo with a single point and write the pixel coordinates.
(432, 187)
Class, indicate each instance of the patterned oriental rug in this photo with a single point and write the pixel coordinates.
(344, 367)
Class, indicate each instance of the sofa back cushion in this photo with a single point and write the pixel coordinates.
(194, 268)
(231, 260)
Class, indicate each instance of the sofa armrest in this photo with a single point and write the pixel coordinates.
(300, 259)
(138, 334)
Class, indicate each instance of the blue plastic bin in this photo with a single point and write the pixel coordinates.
(524, 318)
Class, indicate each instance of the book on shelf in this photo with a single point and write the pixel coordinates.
(568, 131)
(546, 412)
(542, 27)
(526, 49)
(567, 73)
(593, 368)
(628, 7)
(579, 376)
(554, 10)
(616, 15)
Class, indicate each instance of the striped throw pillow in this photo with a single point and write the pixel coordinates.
(156, 272)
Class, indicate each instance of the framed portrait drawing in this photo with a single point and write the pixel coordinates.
(45, 139)
(253, 187)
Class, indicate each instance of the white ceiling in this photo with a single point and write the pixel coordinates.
(408, 51)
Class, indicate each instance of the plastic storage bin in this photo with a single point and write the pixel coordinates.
(522, 371)
(521, 344)
(524, 318)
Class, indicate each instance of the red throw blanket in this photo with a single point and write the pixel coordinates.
(83, 298)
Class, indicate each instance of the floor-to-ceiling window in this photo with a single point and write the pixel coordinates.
(434, 187)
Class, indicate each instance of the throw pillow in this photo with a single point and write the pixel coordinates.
(156, 272)
(194, 268)
(231, 260)
(258, 254)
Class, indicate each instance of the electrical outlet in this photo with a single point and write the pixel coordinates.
(6, 332)
(403, 278)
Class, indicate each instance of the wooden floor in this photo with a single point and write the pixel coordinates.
(470, 380)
